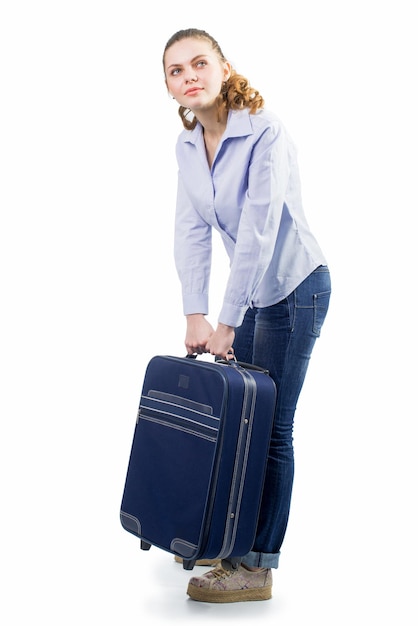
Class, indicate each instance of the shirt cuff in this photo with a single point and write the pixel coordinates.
(195, 303)
(232, 315)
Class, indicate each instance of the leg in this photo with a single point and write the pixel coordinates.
(279, 338)
(284, 336)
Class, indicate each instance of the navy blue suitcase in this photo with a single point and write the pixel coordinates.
(197, 463)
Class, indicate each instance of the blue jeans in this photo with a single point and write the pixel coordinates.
(281, 338)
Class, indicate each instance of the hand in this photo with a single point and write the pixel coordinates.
(197, 334)
(220, 342)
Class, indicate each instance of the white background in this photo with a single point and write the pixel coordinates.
(89, 293)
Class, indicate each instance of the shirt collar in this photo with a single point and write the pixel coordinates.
(238, 125)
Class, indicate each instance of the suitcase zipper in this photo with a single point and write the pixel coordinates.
(179, 413)
(171, 420)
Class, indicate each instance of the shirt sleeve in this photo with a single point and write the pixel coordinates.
(268, 178)
(192, 253)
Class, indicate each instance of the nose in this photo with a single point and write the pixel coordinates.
(191, 77)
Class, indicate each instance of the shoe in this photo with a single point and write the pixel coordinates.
(204, 562)
(240, 585)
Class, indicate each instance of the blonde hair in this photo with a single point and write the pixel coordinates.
(236, 92)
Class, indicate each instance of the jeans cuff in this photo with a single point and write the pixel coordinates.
(261, 559)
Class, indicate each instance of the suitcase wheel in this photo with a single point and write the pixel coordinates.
(145, 545)
(188, 564)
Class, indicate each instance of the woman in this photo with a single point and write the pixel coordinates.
(238, 175)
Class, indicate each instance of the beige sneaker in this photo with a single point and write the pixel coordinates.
(204, 562)
(240, 585)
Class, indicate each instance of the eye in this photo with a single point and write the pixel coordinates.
(175, 72)
(201, 63)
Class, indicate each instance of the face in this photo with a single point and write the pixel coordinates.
(194, 73)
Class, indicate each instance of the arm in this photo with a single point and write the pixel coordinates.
(192, 253)
(268, 179)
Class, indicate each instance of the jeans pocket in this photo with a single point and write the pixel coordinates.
(320, 306)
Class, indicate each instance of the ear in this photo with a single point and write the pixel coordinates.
(227, 70)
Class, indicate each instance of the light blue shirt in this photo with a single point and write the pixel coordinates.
(251, 195)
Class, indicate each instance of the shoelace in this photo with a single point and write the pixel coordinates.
(220, 572)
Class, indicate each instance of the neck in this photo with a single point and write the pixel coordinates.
(212, 133)
(212, 127)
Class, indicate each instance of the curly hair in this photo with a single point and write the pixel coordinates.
(236, 92)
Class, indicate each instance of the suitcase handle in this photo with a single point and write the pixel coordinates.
(234, 362)
(246, 366)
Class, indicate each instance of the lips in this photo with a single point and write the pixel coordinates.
(192, 91)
